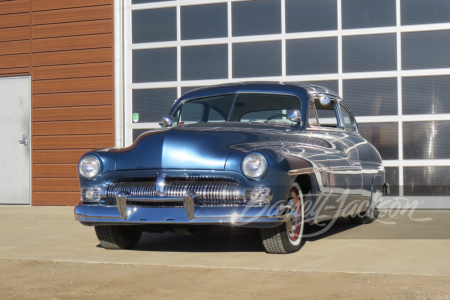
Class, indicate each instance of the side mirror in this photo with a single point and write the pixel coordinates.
(295, 116)
(166, 121)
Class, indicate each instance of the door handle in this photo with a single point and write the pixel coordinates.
(24, 140)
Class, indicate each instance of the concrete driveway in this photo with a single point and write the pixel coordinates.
(407, 247)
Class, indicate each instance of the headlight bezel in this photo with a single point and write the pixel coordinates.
(263, 173)
(99, 169)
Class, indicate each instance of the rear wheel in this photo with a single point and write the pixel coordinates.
(287, 237)
(117, 237)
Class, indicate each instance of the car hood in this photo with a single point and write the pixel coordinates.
(195, 146)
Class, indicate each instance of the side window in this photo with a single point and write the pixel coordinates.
(312, 115)
(326, 114)
(207, 109)
(214, 116)
(348, 120)
(190, 113)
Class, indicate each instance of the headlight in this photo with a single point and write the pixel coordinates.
(89, 166)
(254, 165)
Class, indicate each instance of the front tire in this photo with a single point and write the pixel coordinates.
(287, 237)
(117, 237)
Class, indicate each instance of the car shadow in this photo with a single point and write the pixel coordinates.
(327, 229)
(229, 239)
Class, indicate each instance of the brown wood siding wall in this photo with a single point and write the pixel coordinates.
(67, 48)
(15, 42)
(72, 87)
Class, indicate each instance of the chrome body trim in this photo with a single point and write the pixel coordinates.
(121, 200)
(386, 188)
(160, 185)
(301, 171)
(189, 204)
(155, 199)
(307, 171)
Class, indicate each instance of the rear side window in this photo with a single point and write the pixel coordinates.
(347, 118)
(326, 115)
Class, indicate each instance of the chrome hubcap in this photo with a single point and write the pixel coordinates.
(293, 220)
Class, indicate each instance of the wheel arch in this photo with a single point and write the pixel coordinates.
(307, 186)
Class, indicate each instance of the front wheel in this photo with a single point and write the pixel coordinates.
(287, 237)
(117, 237)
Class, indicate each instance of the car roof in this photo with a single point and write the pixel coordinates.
(308, 87)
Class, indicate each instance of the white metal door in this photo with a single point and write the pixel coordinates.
(15, 103)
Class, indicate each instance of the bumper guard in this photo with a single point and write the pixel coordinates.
(123, 197)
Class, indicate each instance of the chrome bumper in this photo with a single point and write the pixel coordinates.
(241, 216)
(123, 197)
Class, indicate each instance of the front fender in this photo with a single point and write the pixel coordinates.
(276, 177)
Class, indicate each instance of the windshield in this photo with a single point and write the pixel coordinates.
(249, 107)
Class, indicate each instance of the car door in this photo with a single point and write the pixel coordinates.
(369, 167)
(348, 123)
(344, 169)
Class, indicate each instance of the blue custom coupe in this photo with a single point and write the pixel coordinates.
(267, 155)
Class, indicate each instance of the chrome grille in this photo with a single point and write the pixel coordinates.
(208, 193)
(133, 188)
(204, 191)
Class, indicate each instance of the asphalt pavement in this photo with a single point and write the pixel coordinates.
(400, 243)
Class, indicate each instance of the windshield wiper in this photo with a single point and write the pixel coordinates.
(275, 121)
(268, 121)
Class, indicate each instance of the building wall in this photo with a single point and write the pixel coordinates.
(15, 42)
(68, 51)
